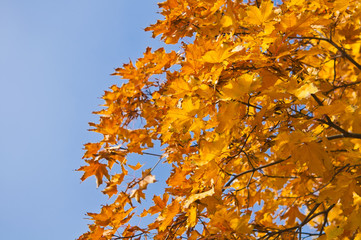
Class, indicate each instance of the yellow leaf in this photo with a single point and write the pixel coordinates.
(228, 115)
(260, 15)
(197, 126)
(237, 87)
(145, 181)
(192, 216)
(291, 215)
(137, 194)
(111, 188)
(306, 90)
(156, 95)
(218, 55)
(341, 5)
(315, 157)
(95, 168)
(226, 21)
(166, 217)
(240, 224)
(205, 91)
(198, 196)
(332, 232)
(91, 149)
(212, 148)
(190, 106)
(135, 167)
(335, 108)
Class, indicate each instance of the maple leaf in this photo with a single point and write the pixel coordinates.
(145, 181)
(198, 196)
(160, 204)
(111, 187)
(218, 55)
(138, 194)
(91, 149)
(260, 15)
(136, 167)
(306, 90)
(95, 168)
(166, 217)
(226, 21)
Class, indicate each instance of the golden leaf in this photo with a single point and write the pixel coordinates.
(136, 167)
(217, 56)
(198, 196)
(226, 21)
(260, 15)
(306, 90)
(95, 168)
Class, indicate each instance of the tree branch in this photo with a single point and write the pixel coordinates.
(146, 153)
(325, 219)
(348, 135)
(252, 171)
(345, 134)
(118, 237)
(311, 215)
(344, 54)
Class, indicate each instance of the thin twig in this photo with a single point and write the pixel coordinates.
(252, 170)
(136, 235)
(325, 219)
(329, 122)
(146, 153)
(344, 54)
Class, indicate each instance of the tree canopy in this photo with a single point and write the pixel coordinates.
(258, 115)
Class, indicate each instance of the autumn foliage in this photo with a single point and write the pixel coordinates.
(258, 114)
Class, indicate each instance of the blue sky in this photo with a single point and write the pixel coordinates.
(56, 58)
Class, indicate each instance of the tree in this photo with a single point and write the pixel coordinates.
(259, 115)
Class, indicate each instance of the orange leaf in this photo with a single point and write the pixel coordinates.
(95, 168)
(135, 167)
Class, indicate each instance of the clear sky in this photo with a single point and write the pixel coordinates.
(56, 58)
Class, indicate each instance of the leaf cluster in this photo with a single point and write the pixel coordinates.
(259, 117)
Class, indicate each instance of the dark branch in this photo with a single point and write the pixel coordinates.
(344, 54)
(344, 133)
(251, 171)
(130, 237)
(348, 135)
(146, 153)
